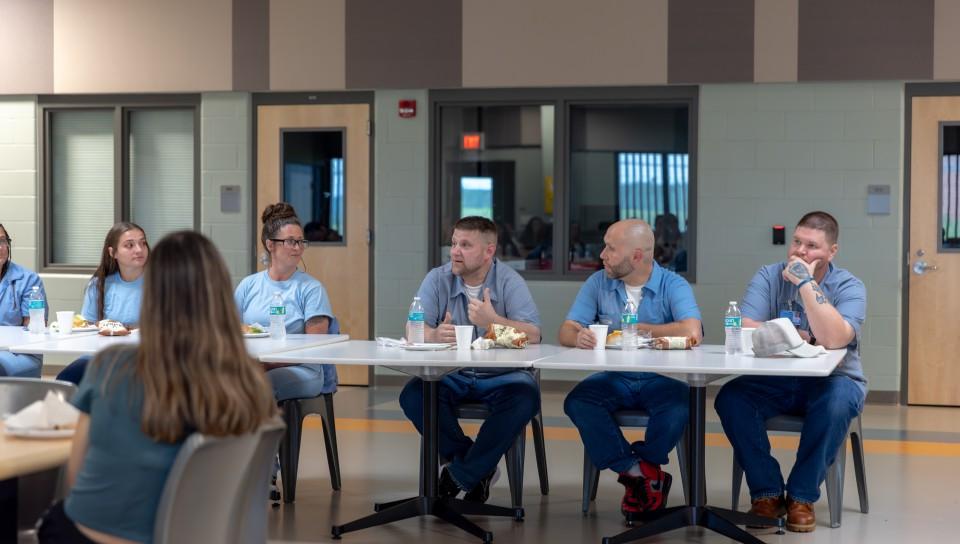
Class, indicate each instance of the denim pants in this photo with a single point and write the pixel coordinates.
(302, 381)
(513, 398)
(20, 365)
(592, 403)
(74, 372)
(828, 405)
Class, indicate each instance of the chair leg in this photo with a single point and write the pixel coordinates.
(859, 467)
(515, 468)
(735, 484)
(290, 448)
(540, 448)
(684, 466)
(835, 485)
(591, 480)
(330, 439)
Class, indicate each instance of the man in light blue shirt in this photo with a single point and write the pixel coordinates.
(828, 305)
(476, 289)
(665, 307)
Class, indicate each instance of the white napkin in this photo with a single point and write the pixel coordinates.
(50, 413)
(483, 343)
(383, 341)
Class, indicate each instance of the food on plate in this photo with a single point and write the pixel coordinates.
(253, 328)
(673, 342)
(507, 336)
(80, 323)
(109, 327)
(615, 338)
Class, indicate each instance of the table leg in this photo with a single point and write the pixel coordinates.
(430, 503)
(696, 512)
(8, 510)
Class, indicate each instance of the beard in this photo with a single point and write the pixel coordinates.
(618, 271)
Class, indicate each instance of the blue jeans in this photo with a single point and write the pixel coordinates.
(302, 381)
(20, 365)
(74, 372)
(592, 403)
(827, 404)
(513, 398)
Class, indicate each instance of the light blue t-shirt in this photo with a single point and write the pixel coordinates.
(15, 289)
(768, 294)
(120, 482)
(121, 300)
(666, 298)
(303, 296)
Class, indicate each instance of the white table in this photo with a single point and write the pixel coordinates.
(11, 335)
(431, 367)
(90, 343)
(699, 367)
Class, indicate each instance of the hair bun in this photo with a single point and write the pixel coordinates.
(280, 210)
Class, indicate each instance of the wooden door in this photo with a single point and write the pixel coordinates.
(934, 253)
(342, 263)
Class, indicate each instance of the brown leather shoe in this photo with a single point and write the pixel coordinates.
(800, 516)
(768, 507)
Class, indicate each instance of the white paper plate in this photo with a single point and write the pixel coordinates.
(38, 433)
(256, 334)
(90, 328)
(427, 347)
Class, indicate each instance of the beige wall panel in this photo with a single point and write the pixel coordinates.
(26, 46)
(946, 39)
(307, 45)
(564, 42)
(775, 40)
(142, 46)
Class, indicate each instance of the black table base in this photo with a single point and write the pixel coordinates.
(696, 513)
(430, 503)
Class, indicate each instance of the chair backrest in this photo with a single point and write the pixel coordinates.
(204, 497)
(17, 393)
(253, 517)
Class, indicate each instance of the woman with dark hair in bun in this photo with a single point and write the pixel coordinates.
(307, 305)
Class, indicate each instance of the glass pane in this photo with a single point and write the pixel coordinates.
(161, 171)
(626, 162)
(497, 162)
(950, 189)
(313, 181)
(81, 158)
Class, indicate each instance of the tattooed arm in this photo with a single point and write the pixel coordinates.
(826, 324)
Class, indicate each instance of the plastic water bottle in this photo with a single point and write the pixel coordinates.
(278, 316)
(38, 317)
(415, 322)
(732, 323)
(628, 323)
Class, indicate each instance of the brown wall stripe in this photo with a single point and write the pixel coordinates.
(865, 40)
(251, 45)
(710, 42)
(409, 44)
(26, 46)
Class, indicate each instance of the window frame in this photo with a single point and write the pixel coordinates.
(122, 106)
(563, 100)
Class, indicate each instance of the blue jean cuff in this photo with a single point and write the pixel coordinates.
(453, 476)
(766, 495)
(800, 499)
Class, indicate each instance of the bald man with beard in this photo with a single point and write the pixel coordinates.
(665, 307)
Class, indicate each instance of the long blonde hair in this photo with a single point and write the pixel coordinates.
(192, 362)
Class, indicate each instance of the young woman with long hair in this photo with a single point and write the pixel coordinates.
(116, 287)
(190, 373)
(16, 284)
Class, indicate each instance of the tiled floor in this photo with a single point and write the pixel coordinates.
(913, 468)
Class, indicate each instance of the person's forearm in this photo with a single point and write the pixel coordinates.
(826, 324)
(568, 334)
(532, 331)
(686, 327)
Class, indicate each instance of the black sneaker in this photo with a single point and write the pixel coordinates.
(448, 488)
(481, 492)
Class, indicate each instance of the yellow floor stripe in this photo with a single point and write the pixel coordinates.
(882, 447)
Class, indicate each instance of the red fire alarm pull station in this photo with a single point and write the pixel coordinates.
(407, 109)
(779, 235)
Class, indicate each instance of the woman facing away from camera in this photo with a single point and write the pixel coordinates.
(190, 373)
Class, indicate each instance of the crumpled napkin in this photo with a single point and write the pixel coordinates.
(483, 343)
(50, 413)
(385, 342)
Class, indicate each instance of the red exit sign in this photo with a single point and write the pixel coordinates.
(472, 141)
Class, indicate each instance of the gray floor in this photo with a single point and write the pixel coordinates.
(912, 467)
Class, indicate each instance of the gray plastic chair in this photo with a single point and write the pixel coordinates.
(517, 452)
(835, 472)
(628, 418)
(35, 492)
(235, 471)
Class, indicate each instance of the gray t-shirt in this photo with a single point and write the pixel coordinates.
(118, 488)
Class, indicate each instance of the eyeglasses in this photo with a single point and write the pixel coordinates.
(5, 242)
(290, 243)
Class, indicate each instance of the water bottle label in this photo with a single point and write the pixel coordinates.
(36, 305)
(732, 322)
(629, 319)
(278, 310)
(415, 316)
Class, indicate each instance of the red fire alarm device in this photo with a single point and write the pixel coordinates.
(472, 141)
(407, 109)
(779, 235)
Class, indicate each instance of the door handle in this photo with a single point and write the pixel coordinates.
(922, 267)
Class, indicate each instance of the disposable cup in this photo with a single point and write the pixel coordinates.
(65, 321)
(464, 337)
(600, 333)
(746, 340)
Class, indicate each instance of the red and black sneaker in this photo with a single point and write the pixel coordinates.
(646, 493)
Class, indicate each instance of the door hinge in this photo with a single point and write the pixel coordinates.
(369, 237)
(369, 127)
